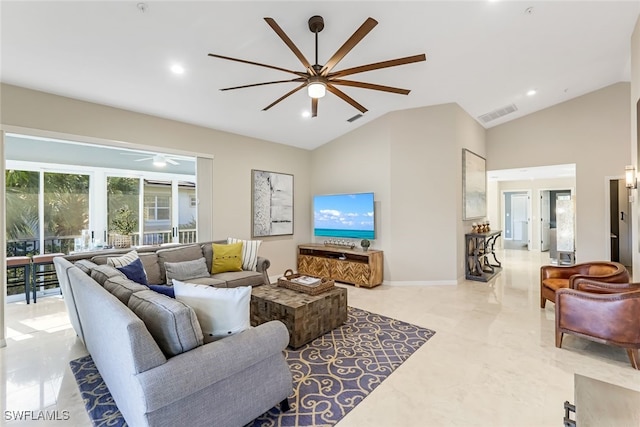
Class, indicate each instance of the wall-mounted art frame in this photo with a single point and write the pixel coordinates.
(271, 203)
(474, 185)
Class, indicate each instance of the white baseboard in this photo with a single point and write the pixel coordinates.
(420, 282)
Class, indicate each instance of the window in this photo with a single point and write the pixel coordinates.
(157, 208)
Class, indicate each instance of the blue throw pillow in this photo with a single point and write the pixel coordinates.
(135, 271)
(163, 289)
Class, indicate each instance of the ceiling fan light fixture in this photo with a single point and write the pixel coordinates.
(316, 88)
(159, 161)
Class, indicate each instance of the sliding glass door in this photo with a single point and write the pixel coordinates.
(45, 211)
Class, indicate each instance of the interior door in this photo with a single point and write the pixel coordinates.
(624, 225)
(520, 218)
(545, 220)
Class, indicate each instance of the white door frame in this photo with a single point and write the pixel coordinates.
(575, 212)
(607, 214)
(529, 204)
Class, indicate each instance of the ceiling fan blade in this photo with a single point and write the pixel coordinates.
(340, 94)
(173, 162)
(143, 159)
(355, 38)
(379, 65)
(272, 23)
(265, 83)
(314, 107)
(291, 92)
(371, 86)
(273, 67)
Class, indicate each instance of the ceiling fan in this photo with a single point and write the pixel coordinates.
(321, 78)
(159, 160)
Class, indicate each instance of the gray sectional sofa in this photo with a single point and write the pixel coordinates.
(151, 353)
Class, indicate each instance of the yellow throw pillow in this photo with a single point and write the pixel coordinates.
(226, 257)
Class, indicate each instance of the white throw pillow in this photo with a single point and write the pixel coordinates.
(220, 311)
(249, 252)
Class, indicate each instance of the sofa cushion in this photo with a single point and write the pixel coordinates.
(121, 261)
(207, 250)
(186, 270)
(151, 267)
(85, 265)
(240, 278)
(135, 271)
(221, 312)
(249, 252)
(172, 324)
(226, 257)
(100, 273)
(177, 254)
(122, 288)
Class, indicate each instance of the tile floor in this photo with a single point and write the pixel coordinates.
(491, 363)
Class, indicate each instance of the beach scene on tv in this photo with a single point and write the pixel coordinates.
(344, 216)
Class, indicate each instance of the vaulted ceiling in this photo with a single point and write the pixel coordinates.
(483, 55)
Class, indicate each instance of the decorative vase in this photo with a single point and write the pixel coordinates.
(365, 244)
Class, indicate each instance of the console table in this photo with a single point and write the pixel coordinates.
(354, 266)
(478, 248)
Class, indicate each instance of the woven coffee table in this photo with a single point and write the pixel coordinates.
(306, 316)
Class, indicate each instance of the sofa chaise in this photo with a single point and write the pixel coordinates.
(151, 353)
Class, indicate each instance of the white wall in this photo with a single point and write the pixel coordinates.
(234, 157)
(591, 131)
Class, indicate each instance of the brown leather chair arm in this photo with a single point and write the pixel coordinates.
(605, 318)
(621, 276)
(599, 287)
(562, 272)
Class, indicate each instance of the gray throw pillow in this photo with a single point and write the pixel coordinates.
(186, 270)
(177, 254)
(171, 323)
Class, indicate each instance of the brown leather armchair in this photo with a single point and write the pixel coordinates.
(601, 312)
(554, 277)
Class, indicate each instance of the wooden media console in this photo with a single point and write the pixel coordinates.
(354, 266)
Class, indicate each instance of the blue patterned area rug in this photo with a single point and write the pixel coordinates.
(331, 375)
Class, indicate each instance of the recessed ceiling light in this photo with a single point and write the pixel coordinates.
(531, 92)
(177, 69)
(306, 114)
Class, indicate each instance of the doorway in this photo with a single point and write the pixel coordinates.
(517, 206)
(557, 219)
(620, 223)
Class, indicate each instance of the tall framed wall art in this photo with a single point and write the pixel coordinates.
(474, 185)
(271, 203)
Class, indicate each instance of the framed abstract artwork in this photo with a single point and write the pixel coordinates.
(474, 185)
(271, 203)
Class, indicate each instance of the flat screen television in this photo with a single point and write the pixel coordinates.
(344, 216)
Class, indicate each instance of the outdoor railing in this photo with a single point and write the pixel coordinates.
(66, 244)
